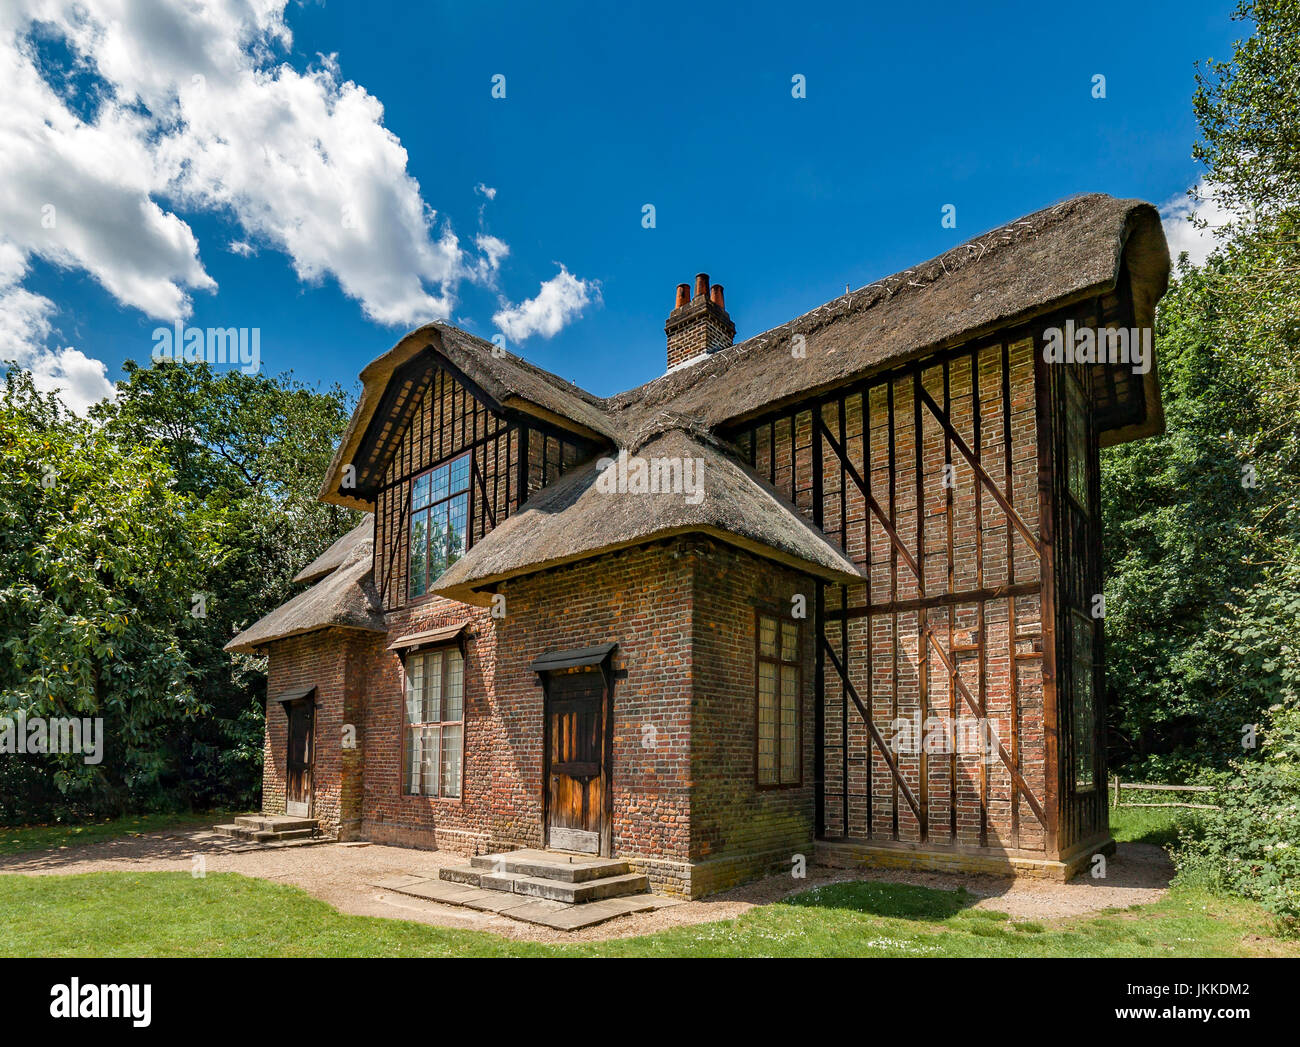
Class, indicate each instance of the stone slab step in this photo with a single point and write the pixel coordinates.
(549, 865)
(551, 890)
(268, 838)
(274, 822)
(545, 912)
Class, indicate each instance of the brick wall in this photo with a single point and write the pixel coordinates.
(335, 662)
(739, 832)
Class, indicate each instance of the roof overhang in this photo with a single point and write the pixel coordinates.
(301, 694)
(429, 638)
(574, 658)
(478, 591)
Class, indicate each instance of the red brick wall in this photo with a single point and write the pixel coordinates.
(738, 831)
(335, 662)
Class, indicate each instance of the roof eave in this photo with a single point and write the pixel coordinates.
(478, 591)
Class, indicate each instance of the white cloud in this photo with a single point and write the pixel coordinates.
(1183, 233)
(24, 328)
(486, 190)
(494, 250)
(560, 299)
(193, 105)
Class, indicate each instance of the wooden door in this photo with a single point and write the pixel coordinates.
(300, 758)
(578, 786)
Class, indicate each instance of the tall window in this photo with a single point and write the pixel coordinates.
(1084, 703)
(435, 723)
(439, 511)
(778, 702)
(1076, 442)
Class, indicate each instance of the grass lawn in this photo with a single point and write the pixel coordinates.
(225, 914)
(52, 837)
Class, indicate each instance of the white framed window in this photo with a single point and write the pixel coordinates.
(434, 735)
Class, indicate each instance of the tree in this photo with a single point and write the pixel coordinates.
(99, 558)
(255, 448)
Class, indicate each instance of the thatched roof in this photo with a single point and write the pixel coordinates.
(340, 552)
(1066, 253)
(344, 598)
(1070, 252)
(576, 518)
(504, 381)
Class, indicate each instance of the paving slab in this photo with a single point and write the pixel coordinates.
(390, 883)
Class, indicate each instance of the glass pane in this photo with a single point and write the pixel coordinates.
(451, 748)
(459, 475)
(429, 762)
(1084, 719)
(767, 637)
(439, 483)
(420, 492)
(452, 697)
(457, 513)
(789, 642)
(766, 723)
(432, 686)
(414, 689)
(411, 764)
(789, 723)
(1076, 435)
(419, 553)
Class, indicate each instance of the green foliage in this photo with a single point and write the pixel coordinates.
(175, 515)
(99, 556)
(256, 447)
(1250, 846)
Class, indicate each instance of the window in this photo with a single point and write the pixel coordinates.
(1076, 442)
(439, 511)
(435, 723)
(1084, 719)
(778, 702)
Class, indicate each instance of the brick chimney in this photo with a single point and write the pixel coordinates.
(699, 324)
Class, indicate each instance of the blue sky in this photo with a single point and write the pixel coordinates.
(204, 166)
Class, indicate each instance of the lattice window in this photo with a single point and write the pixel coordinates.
(777, 703)
(439, 514)
(1083, 699)
(435, 723)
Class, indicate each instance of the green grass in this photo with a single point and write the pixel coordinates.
(51, 837)
(225, 914)
(1157, 825)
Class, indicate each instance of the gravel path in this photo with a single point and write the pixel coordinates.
(340, 873)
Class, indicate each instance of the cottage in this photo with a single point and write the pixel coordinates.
(897, 534)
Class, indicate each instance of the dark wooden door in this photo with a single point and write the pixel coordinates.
(301, 755)
(579, 782)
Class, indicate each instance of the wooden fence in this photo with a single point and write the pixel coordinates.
(1117, 788)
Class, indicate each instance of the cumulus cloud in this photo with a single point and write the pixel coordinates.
(120, 115)
(561, 299)
(1182, 216)
(24, 328)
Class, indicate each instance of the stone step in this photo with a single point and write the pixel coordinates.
(274, 822)
(268, 837)
(574, 893)
(549, 865)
